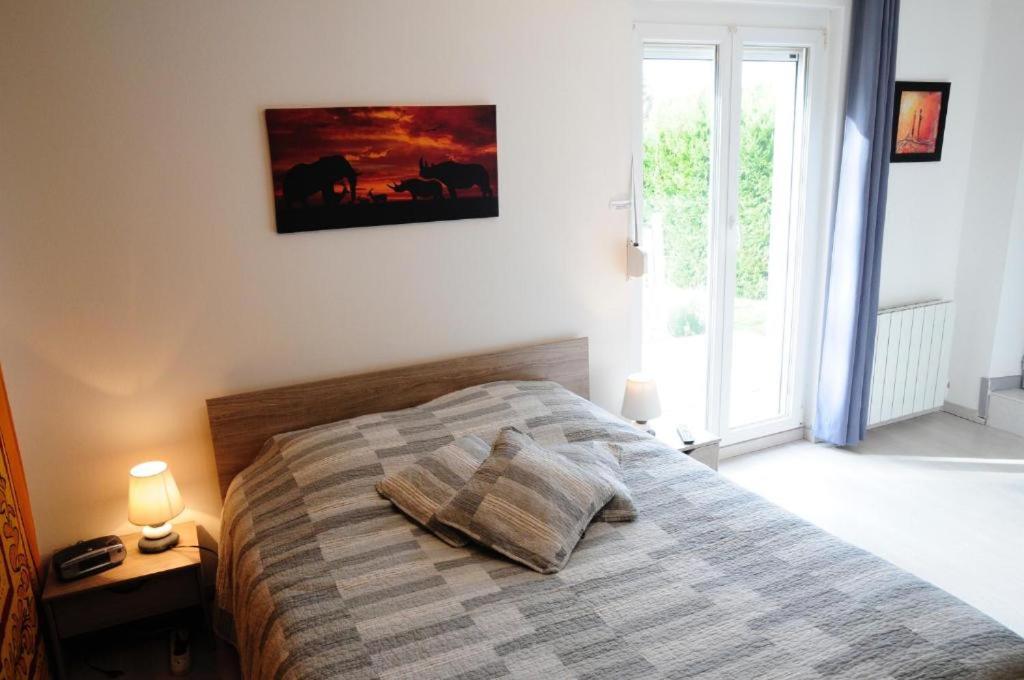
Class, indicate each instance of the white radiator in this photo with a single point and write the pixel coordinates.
(911, 370)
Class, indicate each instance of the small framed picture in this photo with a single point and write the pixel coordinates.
(919, 121)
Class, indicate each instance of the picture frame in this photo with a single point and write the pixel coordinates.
(918, 121)
(363, 166)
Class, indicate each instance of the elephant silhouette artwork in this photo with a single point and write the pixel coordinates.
(342, 167)
(305, 179)
(419, 188)
(458, 176)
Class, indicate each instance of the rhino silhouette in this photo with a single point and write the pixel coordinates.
(458, 176)
(305, 179)
(419, 188)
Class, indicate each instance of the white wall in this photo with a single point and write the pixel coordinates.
(1008, 344)
(139, 265)
(948, 223)
(939, 40)
(763, 13)
(988, 211)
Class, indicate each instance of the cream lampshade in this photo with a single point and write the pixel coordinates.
(153, 501)
(641, 402)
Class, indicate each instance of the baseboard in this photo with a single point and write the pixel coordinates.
(1006, 382)
(964, 412)
(760, 443)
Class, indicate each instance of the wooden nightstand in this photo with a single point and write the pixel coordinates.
(141, 586)
(704, 448)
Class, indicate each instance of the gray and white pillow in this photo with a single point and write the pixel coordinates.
(603, 459)
(527, 504)
(421, 488)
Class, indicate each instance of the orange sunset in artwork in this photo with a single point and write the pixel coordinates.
(920, 119)
(363, 166)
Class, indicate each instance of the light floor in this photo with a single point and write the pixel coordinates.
(938, 496)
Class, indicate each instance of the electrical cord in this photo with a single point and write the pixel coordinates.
(634, 203)
(106, 672)
(201, 547)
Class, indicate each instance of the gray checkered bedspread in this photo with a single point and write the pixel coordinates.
(321, 578)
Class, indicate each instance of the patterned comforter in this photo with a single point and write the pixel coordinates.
(320, 577)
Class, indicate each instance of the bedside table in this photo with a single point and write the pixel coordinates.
(141, 586)
(703, 449)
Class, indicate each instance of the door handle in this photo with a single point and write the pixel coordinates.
(737, 230)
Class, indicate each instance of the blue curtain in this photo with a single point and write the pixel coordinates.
(851, 303)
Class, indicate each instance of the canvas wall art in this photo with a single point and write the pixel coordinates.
(919, 121)
(335, 168)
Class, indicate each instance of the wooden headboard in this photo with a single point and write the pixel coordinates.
(242, 423)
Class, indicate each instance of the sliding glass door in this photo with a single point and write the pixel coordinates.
(723, 141)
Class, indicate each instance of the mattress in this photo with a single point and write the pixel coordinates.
(319, 577)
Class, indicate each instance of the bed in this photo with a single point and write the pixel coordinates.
(320, 577)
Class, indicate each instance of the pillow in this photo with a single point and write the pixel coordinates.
(527, 504)
(420, 488)
(603, 459)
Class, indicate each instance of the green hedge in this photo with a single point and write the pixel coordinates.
(676, 184)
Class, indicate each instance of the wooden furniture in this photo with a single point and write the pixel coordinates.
(242, 423)
(705, 446)
(141, 586)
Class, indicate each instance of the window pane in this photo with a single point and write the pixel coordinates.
(678, 108)
(762, 304)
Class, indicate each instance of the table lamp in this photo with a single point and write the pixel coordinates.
(153, 501)
(641, 402)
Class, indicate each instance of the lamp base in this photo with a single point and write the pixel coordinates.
(156, 530)
(155, 545)
(642, 424)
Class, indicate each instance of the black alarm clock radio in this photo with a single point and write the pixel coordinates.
(88, 557)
